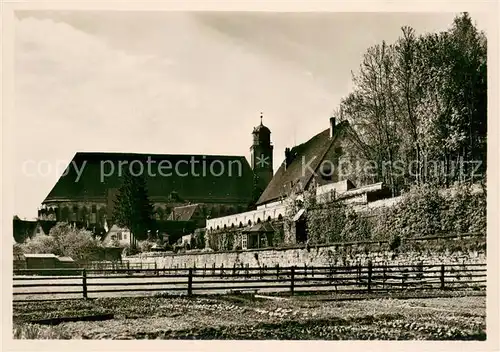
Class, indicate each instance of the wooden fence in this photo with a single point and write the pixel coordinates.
(369, 278)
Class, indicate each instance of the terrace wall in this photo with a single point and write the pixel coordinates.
(454, 249)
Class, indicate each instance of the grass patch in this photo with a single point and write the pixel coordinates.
(39, 332)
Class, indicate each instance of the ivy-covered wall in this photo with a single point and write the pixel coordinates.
(423, 211)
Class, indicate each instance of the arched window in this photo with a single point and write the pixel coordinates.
(269, 218)
(280, 217)
(232, 225)
(258, 220)
(240, 225)
(217, 227)
(225, 226)
(249, 222)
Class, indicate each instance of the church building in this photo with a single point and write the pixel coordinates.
(218, 185)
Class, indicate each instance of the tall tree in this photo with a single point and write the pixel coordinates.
(421, 103)
(133, 209)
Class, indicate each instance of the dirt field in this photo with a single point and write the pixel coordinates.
(248, 317)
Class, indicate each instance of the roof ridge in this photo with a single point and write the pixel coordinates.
(155, 154)
(316, 149)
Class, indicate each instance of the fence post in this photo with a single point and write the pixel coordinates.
(404, 276)
(190, 282)
(442, 277)
(369, 276)
(84, 283)
(277, 271)
(384, 279)
(292, 280)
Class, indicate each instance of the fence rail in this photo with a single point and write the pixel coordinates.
(93, 282)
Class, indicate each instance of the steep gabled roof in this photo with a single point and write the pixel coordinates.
(183, 213)
(306, 157)
(193, 180)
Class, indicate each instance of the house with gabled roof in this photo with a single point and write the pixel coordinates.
(311, 162)
(197, 213)
(312, 165)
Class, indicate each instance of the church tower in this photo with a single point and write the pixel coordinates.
(261, 155)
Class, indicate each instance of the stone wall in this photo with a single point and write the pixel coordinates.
(470, 249)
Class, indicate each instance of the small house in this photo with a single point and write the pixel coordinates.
(117, 234)
(258, 236)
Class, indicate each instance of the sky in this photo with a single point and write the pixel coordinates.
(181, 82)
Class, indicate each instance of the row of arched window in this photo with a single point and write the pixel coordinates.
(75, 213)
(240, 225)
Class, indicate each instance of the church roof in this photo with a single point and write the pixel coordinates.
(309, 153)
(197, 178)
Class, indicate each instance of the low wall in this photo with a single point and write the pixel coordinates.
(470, 249)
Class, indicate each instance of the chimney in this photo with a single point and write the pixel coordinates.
(332, 127)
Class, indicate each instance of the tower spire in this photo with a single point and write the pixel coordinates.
(261, 117)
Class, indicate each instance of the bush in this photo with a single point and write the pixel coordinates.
(395, 242)
(64, 240)
(426, 210)
(41, 244)
(145, 246)
(325, 223)
(17, 251)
